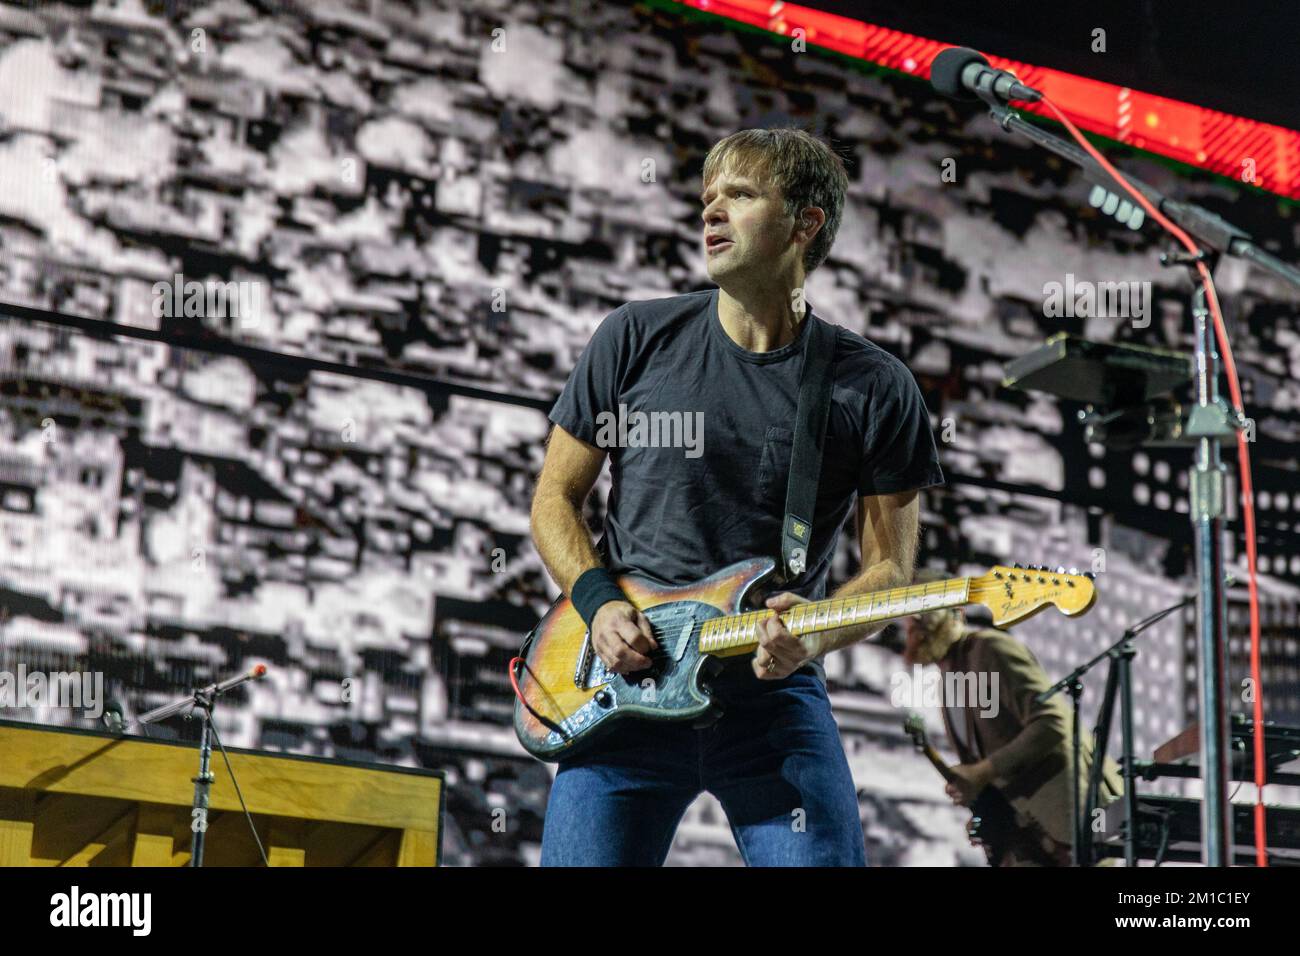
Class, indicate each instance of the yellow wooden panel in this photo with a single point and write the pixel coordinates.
(160, 772)
(69, 825)
(75, 799)
(418, 848)
(17, 824)
(109, 847)
(286, 856)
(15, 842)
(383, 852)
(284, 844)
(154, 843)
(338, 844)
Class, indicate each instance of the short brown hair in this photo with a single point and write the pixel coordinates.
(806, 169)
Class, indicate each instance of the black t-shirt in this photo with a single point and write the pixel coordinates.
(716, 495)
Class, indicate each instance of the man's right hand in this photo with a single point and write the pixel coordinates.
(622, 637)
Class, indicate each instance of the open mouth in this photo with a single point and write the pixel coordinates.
(716, 245)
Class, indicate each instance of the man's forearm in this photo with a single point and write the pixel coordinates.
(563, 539)
(1036, 740)
(879, 577)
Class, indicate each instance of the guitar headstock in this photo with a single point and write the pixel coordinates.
(914, 726)
(1015, 593)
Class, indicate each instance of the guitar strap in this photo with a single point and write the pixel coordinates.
(811, 414)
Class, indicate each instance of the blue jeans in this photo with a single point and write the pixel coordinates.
(774, 761)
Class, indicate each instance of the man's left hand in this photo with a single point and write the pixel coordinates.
(971, 779)
(779, 652)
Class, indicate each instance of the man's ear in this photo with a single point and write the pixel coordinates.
(807, 222)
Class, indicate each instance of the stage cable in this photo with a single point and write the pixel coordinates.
(514, 682)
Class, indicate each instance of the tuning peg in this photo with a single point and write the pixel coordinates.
(1060, 569)
(1074, 571)
(1016, 565)
(1089, 575)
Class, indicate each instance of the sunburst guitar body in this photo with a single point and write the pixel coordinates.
(566, 698)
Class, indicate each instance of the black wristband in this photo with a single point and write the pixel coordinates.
(592, 591)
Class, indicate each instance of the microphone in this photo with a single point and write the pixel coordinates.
(114, 717)
(256, 672)
(964, 74)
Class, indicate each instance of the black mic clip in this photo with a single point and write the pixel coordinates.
(960, 72)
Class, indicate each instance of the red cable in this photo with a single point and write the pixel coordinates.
(1243, 463)
(514, 679)
(514, 682)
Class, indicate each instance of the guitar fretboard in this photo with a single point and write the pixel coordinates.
(738, 633)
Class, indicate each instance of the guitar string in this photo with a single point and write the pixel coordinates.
(829, 605)
(697, 629)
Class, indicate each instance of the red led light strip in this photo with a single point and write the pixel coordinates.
(1259, 154)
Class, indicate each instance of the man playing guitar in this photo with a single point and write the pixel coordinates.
(1019, 745)
(729, 358)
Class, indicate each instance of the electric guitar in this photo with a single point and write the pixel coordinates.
(565, 697)
(995, 825)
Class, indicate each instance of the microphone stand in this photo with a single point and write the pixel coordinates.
(1209, 423)
(1072, 683)
(1118, 677)
(203, 700)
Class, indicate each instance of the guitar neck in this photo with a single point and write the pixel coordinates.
(738, 633)
(933, 756)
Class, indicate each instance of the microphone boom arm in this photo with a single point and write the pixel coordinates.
(1211, 229)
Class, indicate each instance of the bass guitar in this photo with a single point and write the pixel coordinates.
(995, 825)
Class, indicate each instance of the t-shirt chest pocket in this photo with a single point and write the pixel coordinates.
(838, 473)
(774, 466)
